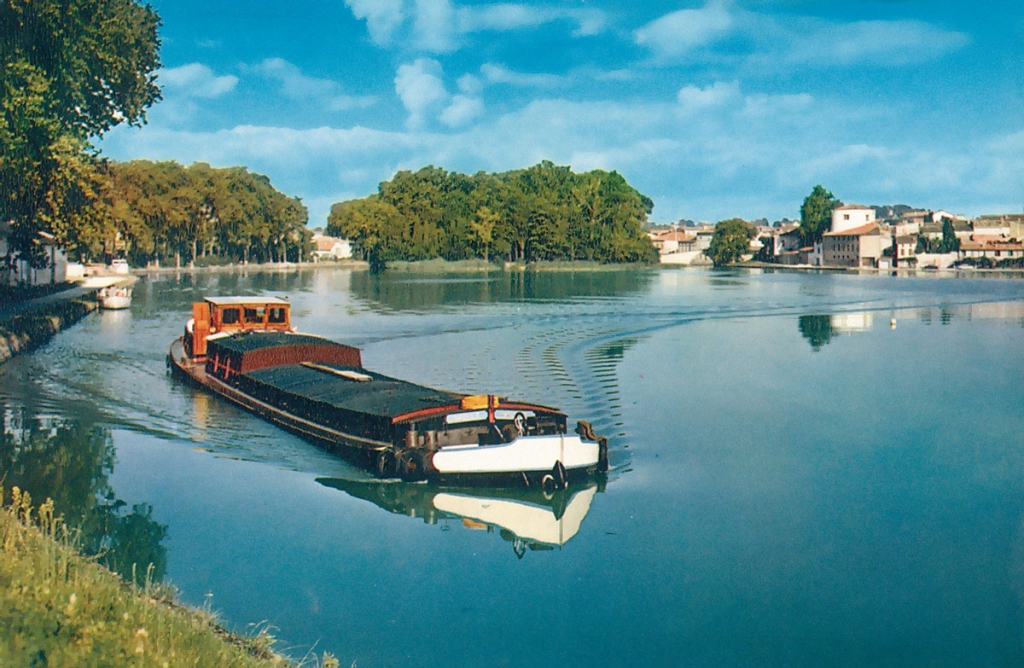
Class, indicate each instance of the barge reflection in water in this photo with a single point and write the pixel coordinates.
(529, 519)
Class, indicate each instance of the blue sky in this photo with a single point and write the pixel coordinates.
(714, 109)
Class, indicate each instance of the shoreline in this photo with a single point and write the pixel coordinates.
(24, 331)
(66, 609)
(898, 272)
(479, 266)
(426, 266)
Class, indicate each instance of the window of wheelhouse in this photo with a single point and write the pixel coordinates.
(229, 316)
(276, 315)
(254, 315)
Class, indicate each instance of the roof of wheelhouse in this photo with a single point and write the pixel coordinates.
(240, 301)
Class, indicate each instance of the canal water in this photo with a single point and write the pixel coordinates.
(807, 469)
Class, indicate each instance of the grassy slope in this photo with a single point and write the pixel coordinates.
(58, 608)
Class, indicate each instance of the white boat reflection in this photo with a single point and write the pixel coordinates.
(529, 519)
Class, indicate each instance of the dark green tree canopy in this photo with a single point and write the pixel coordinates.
(545, 212)
(69, 70)
(730, 241)
(816, 214)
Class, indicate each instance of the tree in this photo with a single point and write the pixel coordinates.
(816, 215)
(69, 70)
(950, 244)
(730, 241)
(483, 227)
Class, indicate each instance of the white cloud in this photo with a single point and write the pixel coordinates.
(434, 26)
(297, 86)
(195, 80)
(509, 16)
(678, 33)
(499, 74)
(890, 43)
(383, 17)
(461, 111)
(421, 89)
(470, 84)
(439, 26)
(693, 98)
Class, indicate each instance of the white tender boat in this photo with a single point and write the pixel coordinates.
(115, 297)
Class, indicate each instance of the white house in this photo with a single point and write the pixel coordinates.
(850, 216)
(55, 271)
(331, 248)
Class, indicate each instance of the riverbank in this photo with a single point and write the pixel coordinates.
(30, 324)
(425, 266)
(62, 609)
(919, 272)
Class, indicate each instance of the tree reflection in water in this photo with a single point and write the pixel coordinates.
(817, 329)
(70, 461)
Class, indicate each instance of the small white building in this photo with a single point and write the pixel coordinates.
(331, 248)
(850, 216)
(56, 270)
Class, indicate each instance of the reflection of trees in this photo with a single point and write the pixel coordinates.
(418, 291)
(70, 463)
(817, 329)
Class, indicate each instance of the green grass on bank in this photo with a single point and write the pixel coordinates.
(58, 608)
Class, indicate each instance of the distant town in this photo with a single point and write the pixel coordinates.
(870, 237)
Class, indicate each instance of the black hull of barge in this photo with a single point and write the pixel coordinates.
(350, 447)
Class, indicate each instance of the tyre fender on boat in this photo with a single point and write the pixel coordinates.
(386, 464)
(409, 464)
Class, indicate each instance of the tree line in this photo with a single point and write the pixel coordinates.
(166, 213)
(544, 212)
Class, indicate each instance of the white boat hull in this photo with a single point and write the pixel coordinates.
(115, 303)
(539, 454)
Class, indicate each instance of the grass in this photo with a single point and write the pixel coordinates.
(59, 608)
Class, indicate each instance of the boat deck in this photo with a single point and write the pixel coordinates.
(346, 388)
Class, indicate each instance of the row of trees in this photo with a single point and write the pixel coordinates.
(545, 212)
(164, 212)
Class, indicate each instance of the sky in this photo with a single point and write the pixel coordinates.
(712, 108)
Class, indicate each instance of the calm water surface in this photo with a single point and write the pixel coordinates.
(794, 481)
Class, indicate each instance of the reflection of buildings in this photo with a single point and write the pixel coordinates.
(819, 329)
(525, 518)
(852, 322)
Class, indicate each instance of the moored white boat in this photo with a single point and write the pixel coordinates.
(115, 297)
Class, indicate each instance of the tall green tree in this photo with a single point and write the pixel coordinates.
(816, 214)
(69, 71)
(949, 244)
(730, 241)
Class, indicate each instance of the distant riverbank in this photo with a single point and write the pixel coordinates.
(430, 266)
(919, 272)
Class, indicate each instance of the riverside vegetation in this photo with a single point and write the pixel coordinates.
(542, 213)
(60, 608)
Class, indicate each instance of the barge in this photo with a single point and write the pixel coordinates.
(244, 349)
